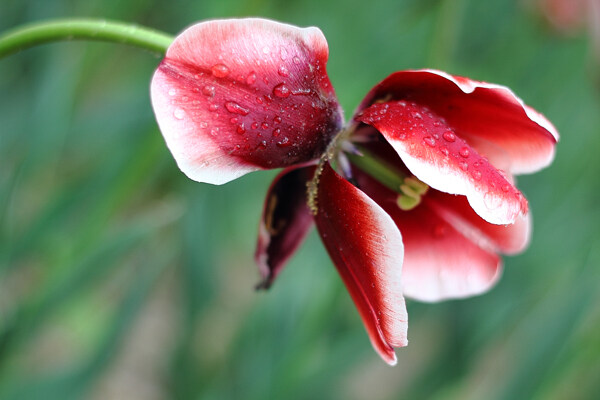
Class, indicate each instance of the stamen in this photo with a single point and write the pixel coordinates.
(333, 149)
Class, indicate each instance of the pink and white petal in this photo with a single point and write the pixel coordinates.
(506, 239)
(285, 222)
(481, 113)
(233, 96)
(435, 154)
(439, 261)
(366, 248)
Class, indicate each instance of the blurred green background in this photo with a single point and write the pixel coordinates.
(122, 279)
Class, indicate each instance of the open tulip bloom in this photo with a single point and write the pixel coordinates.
(413, 196)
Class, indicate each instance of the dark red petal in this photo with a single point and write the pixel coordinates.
(506, 239)
(439, 261)
(435, 154)
(366, 248)
(234, 96)
(490, 117)
(285, 222)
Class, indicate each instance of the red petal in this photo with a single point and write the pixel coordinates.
(366, 248)
(285, 222)
(507, 239)
(439, 261)
(436, 155)
(233, 96)
(490, 117)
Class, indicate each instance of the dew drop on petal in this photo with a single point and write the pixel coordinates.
(235, 108)
(283, 71)
(284, 142)
(276, 132)
(179, 113)
(251, 78)
(241, 129)
(296, 60)
(265, 125)
(277, 120)
(220, 71)
(208, 90)
(492, 201)
(254, 125)
(506, 187)
(463, 165)
(281, 90)
(263, 144)
(445, 151)
(213, 107)
(429, 141)
(476, 175)
(464, 152)
(203, 125)
(449, 136)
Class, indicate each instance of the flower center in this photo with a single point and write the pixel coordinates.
(343, 152)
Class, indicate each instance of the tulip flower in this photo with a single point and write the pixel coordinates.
(413, 196)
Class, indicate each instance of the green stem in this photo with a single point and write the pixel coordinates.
(34, 34)
(377, 168)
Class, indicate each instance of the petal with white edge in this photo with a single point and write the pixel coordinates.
(234, 96)
(435, 154)
(366, 248)
(490, 117)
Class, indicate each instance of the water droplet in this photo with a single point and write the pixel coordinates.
(284, 142)
(251, 78)
(281, 90)
(492, 201)
(208, 90)
(265, 125)
(220, 71)
(277, 120)
(449, 136)
(179, 113)
(234, 120)
(213, 107)
(263, 144)
(283, 71)
(429, 141)
(241, 129)
(172, 92)
(463, 165)
(506, 187)
(444, 151)
(296, 60)
(416, 115)
(276, 132)
(254, 125)
(476, 175)
(464, 152)
(203, 125)
(235, 108)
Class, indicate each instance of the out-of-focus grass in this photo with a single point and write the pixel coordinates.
(120, 278)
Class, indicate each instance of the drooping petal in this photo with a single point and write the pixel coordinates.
(490, 117)
(366, 248)
(505, 239)
(439, 261)
(436, 155)
(285, 222)
(234, 96)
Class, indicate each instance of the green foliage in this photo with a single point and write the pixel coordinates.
(120, 278)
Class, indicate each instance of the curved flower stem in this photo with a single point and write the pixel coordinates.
(34, 34)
